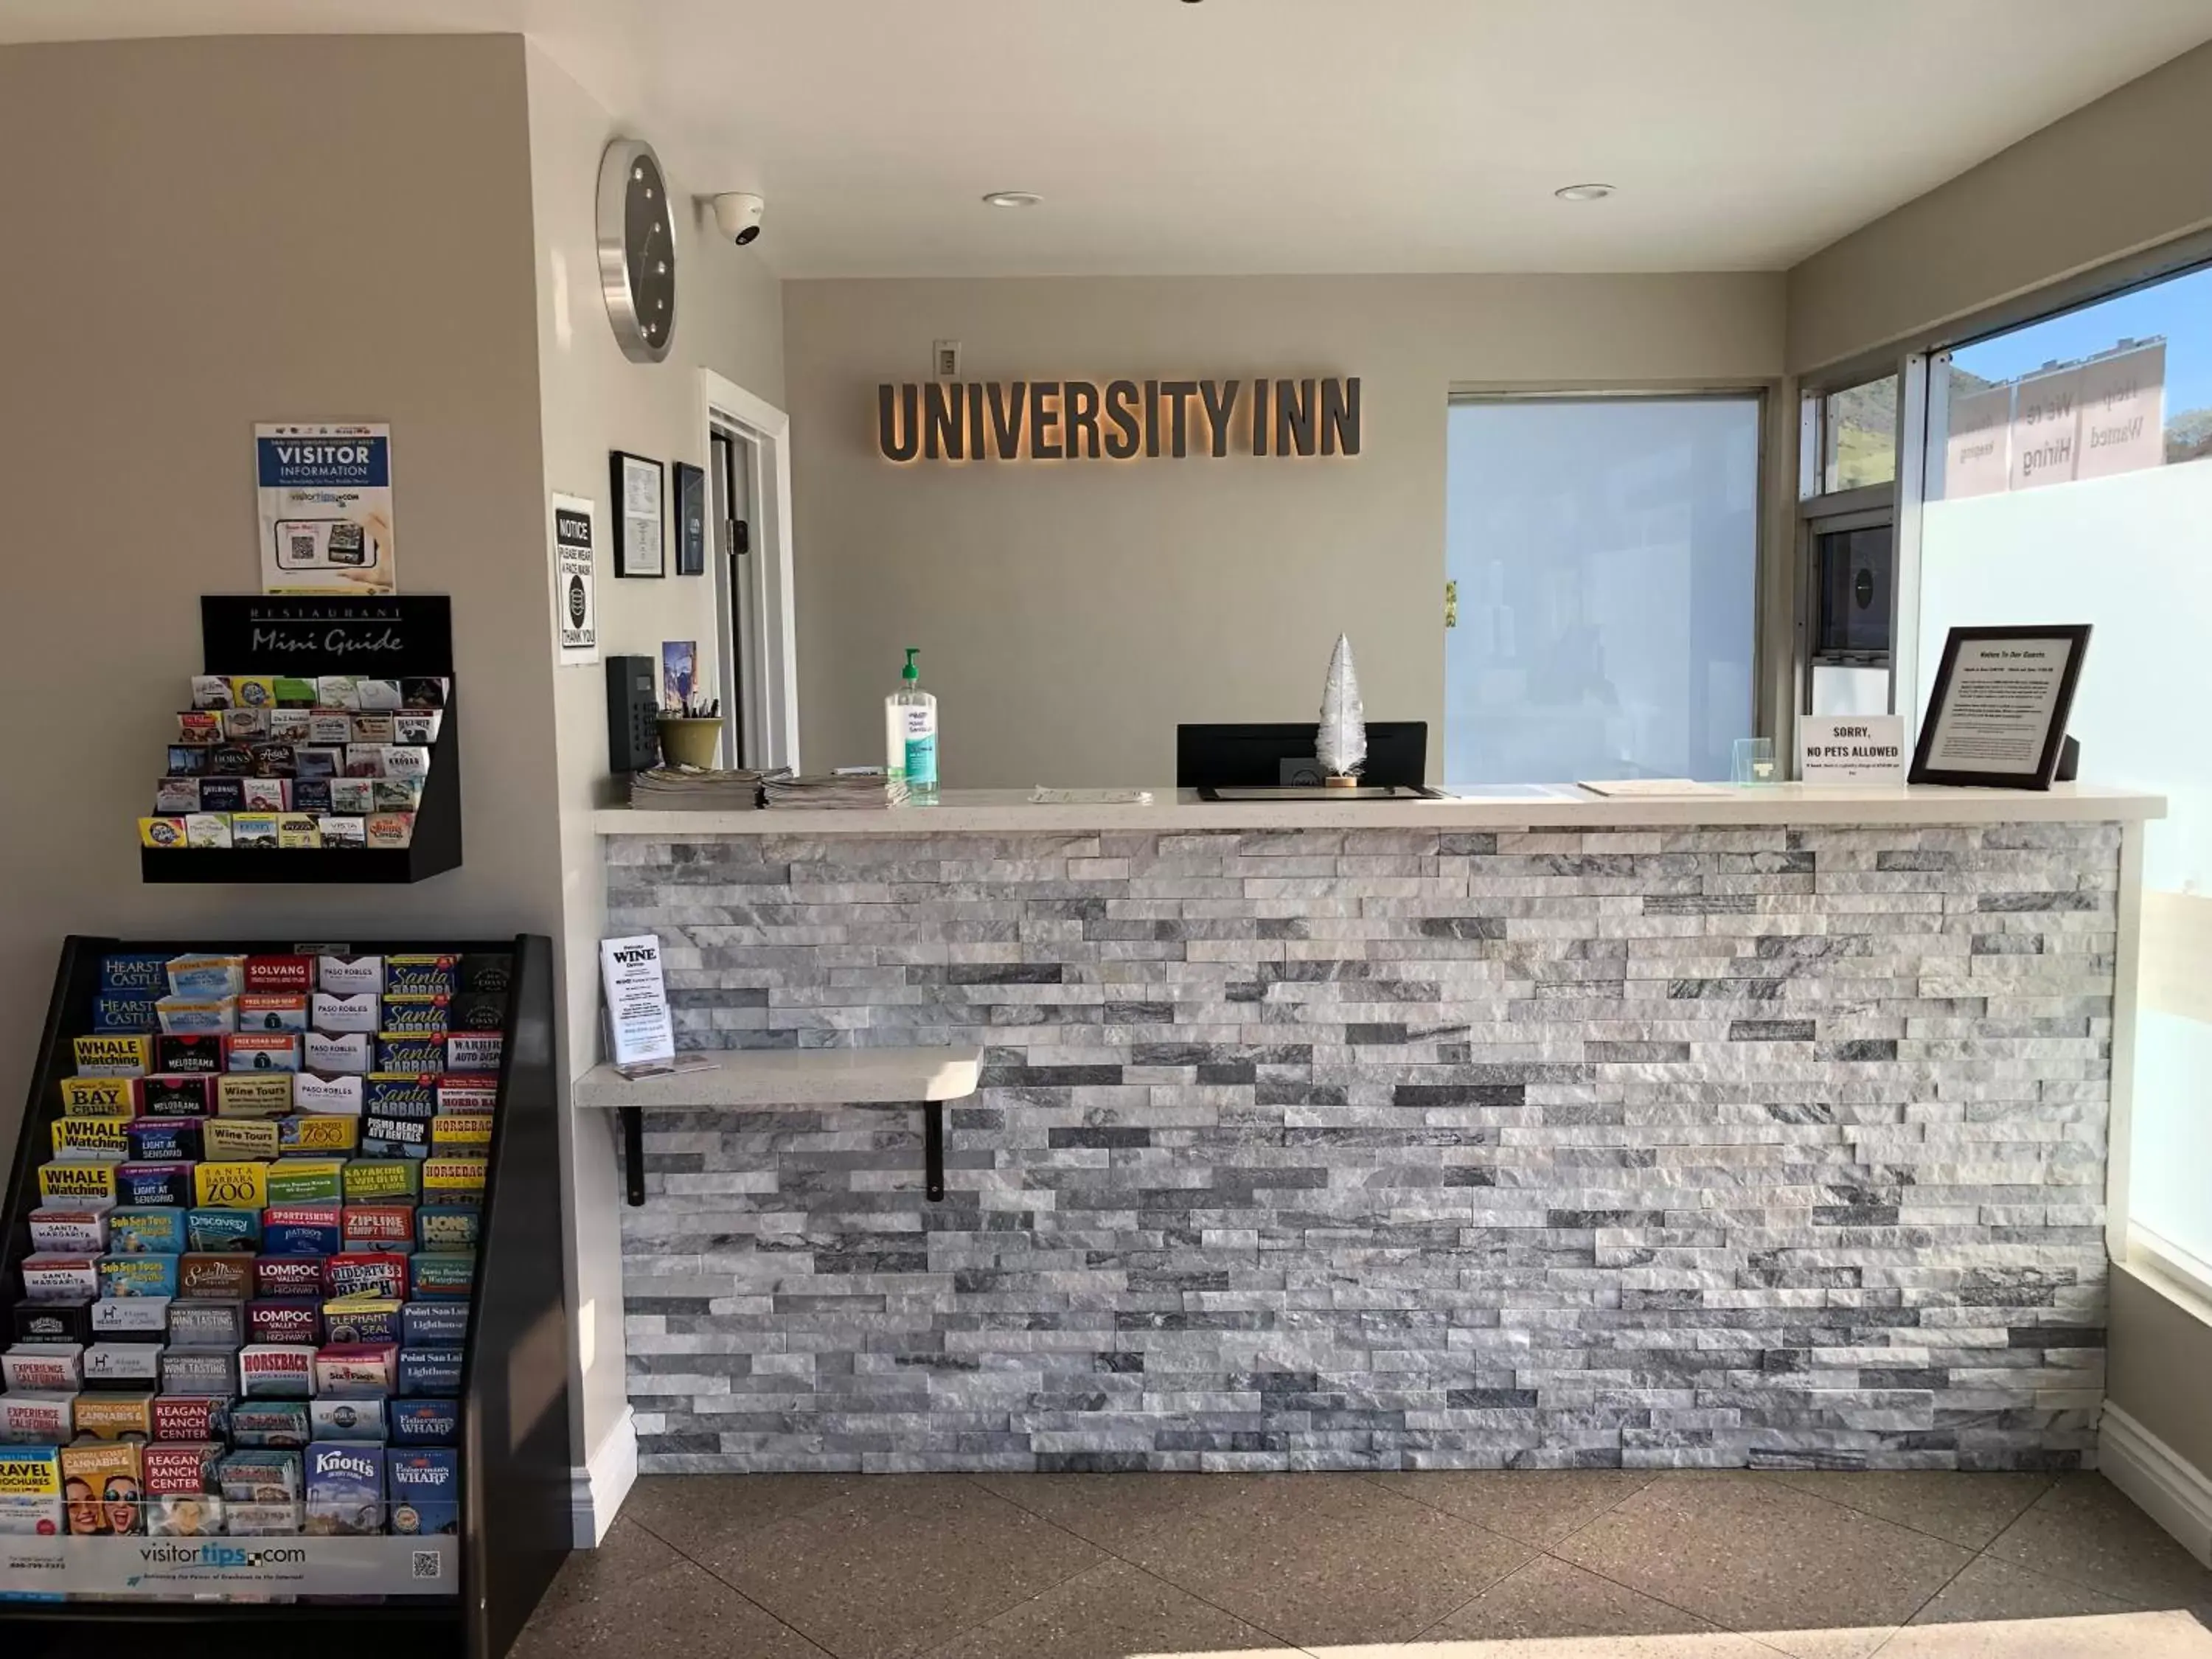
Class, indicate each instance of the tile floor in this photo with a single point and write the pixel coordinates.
(1597, 1564)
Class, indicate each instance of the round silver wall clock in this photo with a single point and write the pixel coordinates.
(637, 250)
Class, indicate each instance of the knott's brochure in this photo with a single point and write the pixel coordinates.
(170, 1567)
(325, 497)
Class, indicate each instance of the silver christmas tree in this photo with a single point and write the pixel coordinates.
(1341, 745)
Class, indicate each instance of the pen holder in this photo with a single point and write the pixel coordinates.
(688, 741)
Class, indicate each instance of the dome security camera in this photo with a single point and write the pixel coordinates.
(738, 215)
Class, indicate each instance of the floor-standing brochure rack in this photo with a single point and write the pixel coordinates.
(445, 1279)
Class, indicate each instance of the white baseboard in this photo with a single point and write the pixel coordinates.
(596, 1490)
(2172, 1492)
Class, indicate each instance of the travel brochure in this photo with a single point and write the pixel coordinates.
(246, 1304)
(277, 761)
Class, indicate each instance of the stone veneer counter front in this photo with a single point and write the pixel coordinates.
(1582, 1142)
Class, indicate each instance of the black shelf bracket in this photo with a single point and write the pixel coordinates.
(632, 1153)
(633, 1134)
(933, 1150)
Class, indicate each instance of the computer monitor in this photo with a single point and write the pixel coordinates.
(1277, 753)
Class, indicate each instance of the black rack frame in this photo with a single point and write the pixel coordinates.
(516, 1508)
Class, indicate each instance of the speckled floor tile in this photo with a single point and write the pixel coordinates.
(1815, 1579)
(1112, 1612)
(1969, 1510)
(1320, 1559)
(686, 1509)
(2084, 1528)
(1549, 1600)
(897, 1567)
(635, 1595)
(1538, 1507)
(1118, 1512)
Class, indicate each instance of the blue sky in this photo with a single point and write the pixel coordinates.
(2180, 309)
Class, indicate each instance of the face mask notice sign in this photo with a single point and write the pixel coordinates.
(1851, 749)
(575, 580)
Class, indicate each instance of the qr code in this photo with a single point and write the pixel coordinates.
(303, 547)
(428, 1563)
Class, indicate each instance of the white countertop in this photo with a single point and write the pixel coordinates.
(1010, 811)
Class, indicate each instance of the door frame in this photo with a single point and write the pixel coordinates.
(725, 404)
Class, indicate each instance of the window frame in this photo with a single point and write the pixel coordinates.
(1866, 506)
(1870, 515)
(1813, 441)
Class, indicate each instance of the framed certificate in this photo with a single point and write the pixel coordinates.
(1998, 718)
(690, 519)
(640, 539)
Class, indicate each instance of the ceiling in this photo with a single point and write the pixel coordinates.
(1287, 136)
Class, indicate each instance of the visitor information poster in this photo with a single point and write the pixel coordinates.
(325, 498)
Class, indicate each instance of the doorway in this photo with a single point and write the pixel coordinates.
(748, 492)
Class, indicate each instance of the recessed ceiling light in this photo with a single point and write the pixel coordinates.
(1013, 199)
(1583, 192)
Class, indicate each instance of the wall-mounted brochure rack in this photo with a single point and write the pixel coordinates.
(379, 1583)
(393, 638)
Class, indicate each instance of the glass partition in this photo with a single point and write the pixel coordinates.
(1604, 551)
(2067, 480)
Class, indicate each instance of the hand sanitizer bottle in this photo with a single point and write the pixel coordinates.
(910, 733)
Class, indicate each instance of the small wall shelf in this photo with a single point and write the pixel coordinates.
(746, 1078)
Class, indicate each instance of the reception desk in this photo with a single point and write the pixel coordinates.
(1765, 1127)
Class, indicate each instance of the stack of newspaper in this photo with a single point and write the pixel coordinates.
(680, 787)
(834, 793)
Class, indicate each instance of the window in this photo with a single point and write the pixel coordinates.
(1851, 602)
(1858, 436)
(2068, 477)
(1849, 510)
(1604, 553)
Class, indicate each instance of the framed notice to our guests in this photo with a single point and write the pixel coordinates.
(1998, 718)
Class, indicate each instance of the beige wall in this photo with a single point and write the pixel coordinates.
(1069, 615)
(242, 235)
(2161, 1360)
(728, 319)
(2124, 172)
(201, 234)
